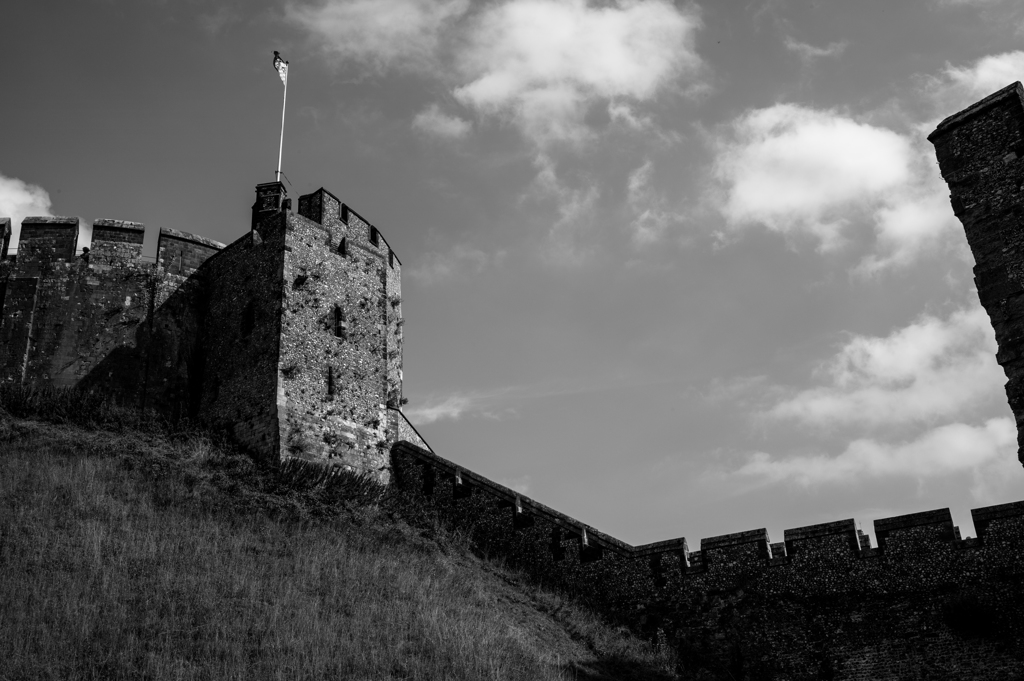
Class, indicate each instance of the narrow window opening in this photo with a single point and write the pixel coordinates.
(331, 381)
(391, 258)
(338, 324)
(374, 238)
(343, 247)
(248, 320)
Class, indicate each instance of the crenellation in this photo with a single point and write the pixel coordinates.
(182, 253)
(116, 243)
(47, 240)
(825, 572)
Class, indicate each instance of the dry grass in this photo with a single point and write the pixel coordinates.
(134, 556)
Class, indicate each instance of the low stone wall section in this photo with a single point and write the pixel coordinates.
(820, 604)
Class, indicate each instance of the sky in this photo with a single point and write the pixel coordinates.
(674, 269)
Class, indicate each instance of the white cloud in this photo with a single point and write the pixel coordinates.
(960, 86)
(798, 170)
(380, 34)
(19, 200)
(540, 63)
(950, 448)
(435, 122)
(913, 223)
(808, 53)
(929, 370)
(460, 260)
(489, 404)
(436, 409)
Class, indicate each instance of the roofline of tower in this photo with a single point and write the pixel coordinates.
(349, 209)
(973, 110)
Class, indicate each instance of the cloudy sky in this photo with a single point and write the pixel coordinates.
(675, 269)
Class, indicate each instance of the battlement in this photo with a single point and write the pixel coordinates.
(439, 485)
(182, 253)
(116, 241)
(769, 591)
(48, 239)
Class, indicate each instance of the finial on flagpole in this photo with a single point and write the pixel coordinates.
(282, 69)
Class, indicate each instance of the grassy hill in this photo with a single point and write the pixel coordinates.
(131, 551)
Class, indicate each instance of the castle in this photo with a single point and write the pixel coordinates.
(290, 339)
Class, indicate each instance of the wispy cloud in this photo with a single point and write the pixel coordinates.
(951, 448)
(435, 122)
(461, 260)
(450, 407)
(503, 402)
(19, 200)
(216, 21)
(809, 53)
(575, 208)
(520, 484)
(959, 86)
(650, 217)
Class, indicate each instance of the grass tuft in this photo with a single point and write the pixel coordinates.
(142, 554)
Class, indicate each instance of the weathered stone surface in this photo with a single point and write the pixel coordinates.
(289, 339)
(981, 152)
(923, 605)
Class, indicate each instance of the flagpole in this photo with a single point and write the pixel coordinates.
(280, 147)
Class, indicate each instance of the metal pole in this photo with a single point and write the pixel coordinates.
(280, 147)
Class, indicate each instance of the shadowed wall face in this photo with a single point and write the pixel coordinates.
(821, 604)
(981, 156)
(240, 352)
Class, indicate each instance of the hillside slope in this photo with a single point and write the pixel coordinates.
(133, 555)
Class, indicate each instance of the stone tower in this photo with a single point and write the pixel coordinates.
(289, 338)
(981, 157)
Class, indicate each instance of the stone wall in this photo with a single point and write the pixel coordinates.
(47, 239)
(116, 242)
(182, 253)
(241, 346)
(289, 339)
(340, 350)
(981, 156)
(109, 322)
(822, 604)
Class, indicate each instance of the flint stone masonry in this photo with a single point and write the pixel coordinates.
(242, 338)
(981, 156)
(116, 242)
(923, 605)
